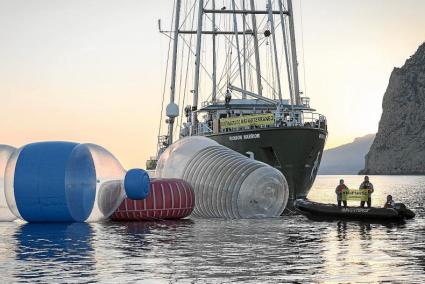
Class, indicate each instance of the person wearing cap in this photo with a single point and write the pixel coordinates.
(366, 184)
(340, 189)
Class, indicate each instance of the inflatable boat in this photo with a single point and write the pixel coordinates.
(315, 210)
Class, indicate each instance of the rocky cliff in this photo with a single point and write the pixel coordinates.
(399, 146)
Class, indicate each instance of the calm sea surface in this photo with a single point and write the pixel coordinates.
(280, 250)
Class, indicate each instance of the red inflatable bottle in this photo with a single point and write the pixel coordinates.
(168, 199)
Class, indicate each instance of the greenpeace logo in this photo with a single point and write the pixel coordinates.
(245, 137)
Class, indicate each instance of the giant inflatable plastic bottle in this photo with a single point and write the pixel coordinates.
(5, 213)
(68, 182)
(226, 183)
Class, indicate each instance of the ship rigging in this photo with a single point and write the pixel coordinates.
(239, 58)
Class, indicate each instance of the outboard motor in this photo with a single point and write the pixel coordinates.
(404, 211)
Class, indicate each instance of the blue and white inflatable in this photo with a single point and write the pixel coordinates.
(65, 182)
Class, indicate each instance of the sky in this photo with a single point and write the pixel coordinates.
(93, 70)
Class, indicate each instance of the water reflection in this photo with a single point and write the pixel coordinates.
(356, 251)
(280, 250)
(341, 230)
(54, 252)
(134, 239)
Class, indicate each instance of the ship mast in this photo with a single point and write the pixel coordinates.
(276, 60)
(244, 49)
(288, 33)
(256, 51)
(172, 110)
(197, 63)
(235, 25)
(214, 72)
(288, 60)
(294, 54)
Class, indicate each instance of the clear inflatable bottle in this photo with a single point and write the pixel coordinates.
(5, 214)
(226, 183)
(68, 182)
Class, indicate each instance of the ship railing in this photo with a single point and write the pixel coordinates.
(208, 103)
(162, 143)
(313, 120)
(290, 119)
(202, 129)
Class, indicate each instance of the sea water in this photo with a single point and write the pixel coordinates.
(279, 250)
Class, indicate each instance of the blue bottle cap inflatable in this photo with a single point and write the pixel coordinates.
(136, 184)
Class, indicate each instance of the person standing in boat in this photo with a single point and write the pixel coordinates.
(340, 189)
(366, 184)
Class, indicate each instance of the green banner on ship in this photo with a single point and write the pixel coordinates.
(247, 120)
(355, 195)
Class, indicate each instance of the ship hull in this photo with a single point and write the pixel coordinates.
(295, 151)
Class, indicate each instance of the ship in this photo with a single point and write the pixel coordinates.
(241, 60)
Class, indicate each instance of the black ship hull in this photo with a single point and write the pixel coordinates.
(295, 151)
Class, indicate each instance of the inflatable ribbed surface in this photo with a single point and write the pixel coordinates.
(168, 199)
(226, 183)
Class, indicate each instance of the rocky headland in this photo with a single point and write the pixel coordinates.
(399, 145)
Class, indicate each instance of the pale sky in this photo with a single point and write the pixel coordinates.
(92, 70)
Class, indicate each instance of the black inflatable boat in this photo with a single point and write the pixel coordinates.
(316, 210)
